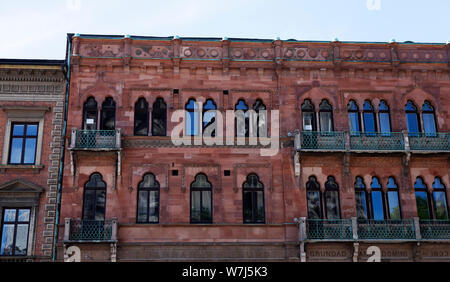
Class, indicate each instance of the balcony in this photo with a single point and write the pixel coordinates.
(325, 229)
(386, 229)
(77, 230)
(429, 141)
(316, 141)
(393, 141)
(95, 139)
(435, 229)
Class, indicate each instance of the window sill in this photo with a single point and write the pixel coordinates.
(27, 168)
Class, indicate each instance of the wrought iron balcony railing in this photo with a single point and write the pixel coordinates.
(386, 229)
(393, 141)
(327, 229)
(429, 141)
(95, 139)
(435, 229)
(312, 140)
(90, 230)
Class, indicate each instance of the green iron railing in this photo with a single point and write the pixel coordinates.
(90, 230)
(331, 229)
(435, 229)
(386, 229)
(429, 141)
(95, 139)
(322, 140)
(393, 141)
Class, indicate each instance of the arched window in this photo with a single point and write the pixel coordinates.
(412, 119)
(313, 196)
(159, 117)
(326, 116)
(90, 114)
(192, 118)
(141, 117)
(308, 116)
(201, 200)
(108, 115)
(209, 115)
(94, 199)
(422, 199)
(242, 120)
(259, 127)
(353, 118)
(384, 117)
(362, 210)
(393, 201)
(429, 124)
(332, 206)
(439, 200)
(253, 200)
(377, 199)
(148, 200)
(369, 118)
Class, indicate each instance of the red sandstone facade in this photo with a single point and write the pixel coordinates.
(282, 74)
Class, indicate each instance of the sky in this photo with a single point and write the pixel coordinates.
(38, 29)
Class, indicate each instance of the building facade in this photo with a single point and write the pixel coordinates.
(31, 121)
(361, 164)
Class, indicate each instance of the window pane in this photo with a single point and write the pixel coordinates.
(206, 206)
(10, 215)
(32, 129)
(16, 151)
(332, 204)
(195, 206)
(361, 205)
(21, 240)
(259, 217)
(440, 205)
(24, 215)
(154, 206)
(7, 240)
(18, 129)
(354, 122)
(385, 126)
(394, 206)
(101, 205)
(429, 125)
(377, 205)
(30, 151)
(142, 206)
(326, 121)
(89, 201)
(314, 211)
(247, 206)
(412, 123)
(308, 122)
(369, 122)
(422, 205)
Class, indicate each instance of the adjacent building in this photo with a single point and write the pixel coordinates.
(31, 121)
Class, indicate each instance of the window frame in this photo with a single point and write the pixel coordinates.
(355, 112)
(384, 111)
(23, 137)
(416, 113)
(201, 189)
(371, 112)
(314, 189)
(322, 109)
(95, 199)
(254, 192)
(429, 201)
(391, 189)
(112, 109)
(432, 113)
(328, 188)
(383, 202)
(157, 188)
(366, 197)
(307, 107)
(144, 115)
(15, 224)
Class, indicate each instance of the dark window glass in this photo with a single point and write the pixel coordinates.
(385, 120)
(314, 198)
(14, 232)
(209, 118)
(326, 116)
(23, 143)
(192, 118)
(439, 199)
(377, 200)
(94, 203)
(242, 119)
(393, 199)
(90, 114)
(429, 124)
(412, 118)
(253, 200)
(159, 117)
(422, 200)
(353, 118)
(369, 118)
(141, 117)
(308, 114)
(361, 199)
(201, 200)
(259, 127)
(148, 200)
(108, 115)
(332, 205)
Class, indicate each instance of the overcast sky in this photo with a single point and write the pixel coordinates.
(37, 29)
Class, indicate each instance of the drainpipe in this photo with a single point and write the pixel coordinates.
(63, 147)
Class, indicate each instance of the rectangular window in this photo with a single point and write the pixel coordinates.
(23, 143)
(14, 232)
(422, 205)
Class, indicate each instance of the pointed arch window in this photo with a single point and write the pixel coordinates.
(393, 201)
(141, 117)
(209, 115)
(422, 199)
(384, 118)
(108, 115)
(353, 118)
(332, 206)
(192, 118)
(439, 200)
(201, 199)
(159, 117)
(90, 114)
(308, 116)
(362, 210)
(429, 123)
(148, 199)
(259, 127)
(253, 200)
(377, 199)
(94, 198)
(242, 119)
(369, 118)
(412, 119)
(313, 196)
(326, 116)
